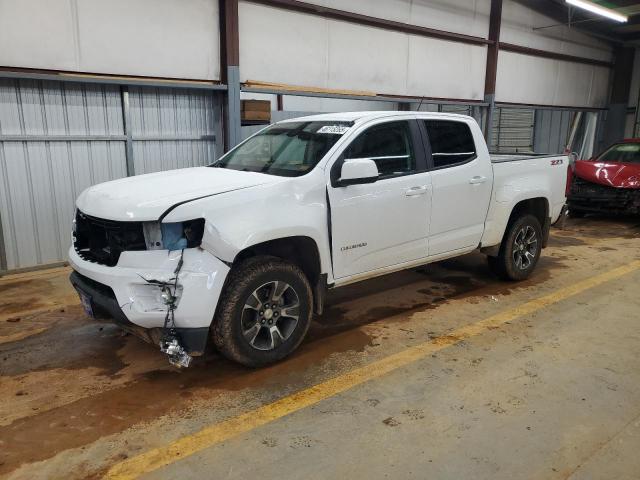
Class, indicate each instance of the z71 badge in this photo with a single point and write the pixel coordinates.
(556, 161)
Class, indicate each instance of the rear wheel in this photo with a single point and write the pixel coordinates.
(264, 312)
(520, 249)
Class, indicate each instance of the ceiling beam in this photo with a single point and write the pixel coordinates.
(534, 52)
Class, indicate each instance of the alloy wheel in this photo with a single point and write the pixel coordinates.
(525, 247)
(270, 315)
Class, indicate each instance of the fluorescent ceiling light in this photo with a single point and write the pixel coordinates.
(598, 10)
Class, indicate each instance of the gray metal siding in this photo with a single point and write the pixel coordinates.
(56, 139)
(460, 109)
(171, 129)
(41, 176)
(552, 130)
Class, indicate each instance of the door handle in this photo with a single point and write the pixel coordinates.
(413, 191)
(477, 180)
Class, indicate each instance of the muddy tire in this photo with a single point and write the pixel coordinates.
(264, 312)
(520, 249)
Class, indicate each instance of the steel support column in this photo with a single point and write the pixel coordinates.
(230, 69)
(495, 19)
(621, 86)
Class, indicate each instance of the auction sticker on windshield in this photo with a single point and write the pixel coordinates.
(333, 129)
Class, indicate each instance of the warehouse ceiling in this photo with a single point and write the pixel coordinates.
(590, 23)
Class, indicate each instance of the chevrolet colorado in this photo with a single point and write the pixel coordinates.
(241, 252)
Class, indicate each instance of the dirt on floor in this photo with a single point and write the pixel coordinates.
(77, 395)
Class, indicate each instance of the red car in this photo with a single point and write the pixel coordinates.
(609, 183)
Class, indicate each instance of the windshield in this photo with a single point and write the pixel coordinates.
(288, 149)
(622, 152)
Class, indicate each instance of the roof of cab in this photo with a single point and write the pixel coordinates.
(365, 116)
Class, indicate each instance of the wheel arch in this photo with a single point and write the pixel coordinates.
(300, 250)
(536, 206)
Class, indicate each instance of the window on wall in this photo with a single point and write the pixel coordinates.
(451, 142)
(387, 144)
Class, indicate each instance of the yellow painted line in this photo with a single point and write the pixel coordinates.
(219, 432)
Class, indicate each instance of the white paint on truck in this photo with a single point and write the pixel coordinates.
(425, 208)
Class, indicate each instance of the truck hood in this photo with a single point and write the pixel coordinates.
(147, 197)
(611, 174)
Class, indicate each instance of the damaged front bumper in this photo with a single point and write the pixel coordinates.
(124, 294)
(592, 197)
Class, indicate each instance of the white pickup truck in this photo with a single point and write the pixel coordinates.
(242, 251)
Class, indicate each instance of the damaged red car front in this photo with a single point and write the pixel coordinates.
(609, 183)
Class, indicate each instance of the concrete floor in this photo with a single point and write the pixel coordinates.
(551, 392)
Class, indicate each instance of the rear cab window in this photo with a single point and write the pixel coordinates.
(451, 142)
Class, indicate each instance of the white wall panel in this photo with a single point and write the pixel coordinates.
(518, 23)
(366, 58)
(162, 38)
(470, 17)
(272, 46)
(599, 95)
(37, 34)
(437, 68)
(534, 80)
(323, 105)
(343, 55)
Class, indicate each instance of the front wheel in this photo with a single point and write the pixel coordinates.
(520, 249)
(264, 312)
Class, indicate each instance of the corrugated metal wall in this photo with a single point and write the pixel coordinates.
(56, 139)
(171, 128)
(552, 130)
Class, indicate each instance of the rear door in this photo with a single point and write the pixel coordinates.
(461, 179)
(385, 223)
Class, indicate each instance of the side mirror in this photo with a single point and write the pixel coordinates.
(358, 170)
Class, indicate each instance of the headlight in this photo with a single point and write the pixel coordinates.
(174, 236)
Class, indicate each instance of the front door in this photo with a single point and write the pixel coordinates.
(385, 223)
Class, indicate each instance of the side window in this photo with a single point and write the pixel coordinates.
(387, 144)
(451, 142)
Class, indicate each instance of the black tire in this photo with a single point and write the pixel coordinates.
(520, 249)
(243, 328)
